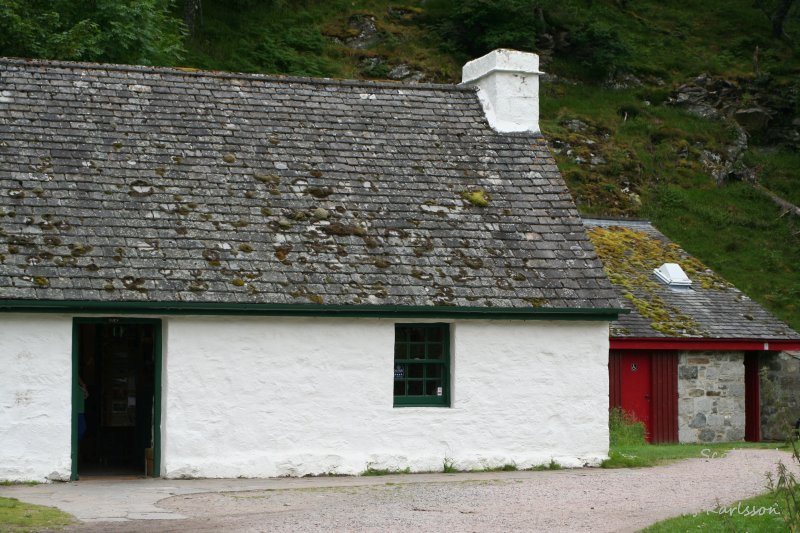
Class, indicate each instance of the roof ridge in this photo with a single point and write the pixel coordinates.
(190, 71)
(616, 219)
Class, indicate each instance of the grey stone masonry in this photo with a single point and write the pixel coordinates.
(780, 394)
(166, 185)
(711, 396)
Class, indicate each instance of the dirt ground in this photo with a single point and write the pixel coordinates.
(566, 500)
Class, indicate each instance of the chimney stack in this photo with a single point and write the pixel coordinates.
(508, 83)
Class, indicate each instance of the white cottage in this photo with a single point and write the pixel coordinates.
(261, 276)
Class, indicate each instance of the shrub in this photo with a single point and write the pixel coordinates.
(787, 488)
(625, 429)
(475, 27)
(599, 49)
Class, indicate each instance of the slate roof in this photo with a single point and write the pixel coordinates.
(167, 185)
(711, 308)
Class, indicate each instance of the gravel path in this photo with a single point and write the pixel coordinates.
(566, 500)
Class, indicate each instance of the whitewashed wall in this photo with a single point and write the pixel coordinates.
(266, 397)
(35, 397)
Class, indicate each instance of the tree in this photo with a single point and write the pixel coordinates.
(777, 11)
(117, 31)
(474, 27)
(192, 15)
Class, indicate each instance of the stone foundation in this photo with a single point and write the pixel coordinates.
(780, 394)
(711, 396)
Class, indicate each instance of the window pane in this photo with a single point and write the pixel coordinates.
(434, 351)
(416, 351)
(416, 334)
(433, 387)
(400, 334)
(435, 334)
(400, 350)
(422, 380)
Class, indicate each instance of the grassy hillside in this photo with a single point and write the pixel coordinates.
(622, 147)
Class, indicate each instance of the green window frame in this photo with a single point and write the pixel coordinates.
(422, 365)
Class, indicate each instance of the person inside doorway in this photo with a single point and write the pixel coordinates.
(83, 394)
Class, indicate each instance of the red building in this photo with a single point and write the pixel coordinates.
(687, 359)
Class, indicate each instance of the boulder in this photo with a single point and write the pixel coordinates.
(752, 118)
(404, 72)
(367, 36)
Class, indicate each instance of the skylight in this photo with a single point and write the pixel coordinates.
(673, 275)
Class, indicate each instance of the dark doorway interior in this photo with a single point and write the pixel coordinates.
(117, 365)
(752, 397)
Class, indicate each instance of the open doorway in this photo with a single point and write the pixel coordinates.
(116, 397)
(752, 397)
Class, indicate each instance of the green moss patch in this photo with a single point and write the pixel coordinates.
(629, 257)
(477, 197)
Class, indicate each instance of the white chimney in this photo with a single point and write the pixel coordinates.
(508, 83)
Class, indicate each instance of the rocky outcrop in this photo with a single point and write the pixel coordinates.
(752, 119)
(761, 108)
(366, 32)
(759, 112)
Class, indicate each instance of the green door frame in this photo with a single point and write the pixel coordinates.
(158, 361)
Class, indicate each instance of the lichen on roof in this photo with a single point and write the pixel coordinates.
(712, 308)
(219, 197)
(629, 257)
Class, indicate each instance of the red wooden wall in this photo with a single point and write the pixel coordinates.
(664, 366)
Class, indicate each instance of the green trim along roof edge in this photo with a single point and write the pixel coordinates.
(308, 310)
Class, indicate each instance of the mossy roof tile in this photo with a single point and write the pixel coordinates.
(712, 308)
(159, 176)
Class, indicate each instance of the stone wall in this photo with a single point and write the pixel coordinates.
(711, 396)
(780, 393)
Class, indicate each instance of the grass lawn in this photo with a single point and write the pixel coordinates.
(762, 513)
(633, 455)
(16, 516)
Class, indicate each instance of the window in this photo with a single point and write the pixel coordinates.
(422, 364)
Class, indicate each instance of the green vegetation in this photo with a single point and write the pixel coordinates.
(16, 516)
(629, 256)
(629, 449)
(371, 471)
(508, 467)
(739, 233)
(622, 146)
(624, 429)
(552, 465)
(786, 487)
(475, 27)
(478, 197)
(777, 510)
(654, 454)
(762, 514)
(116, 31)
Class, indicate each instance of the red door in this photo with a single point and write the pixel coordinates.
(635, 387)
